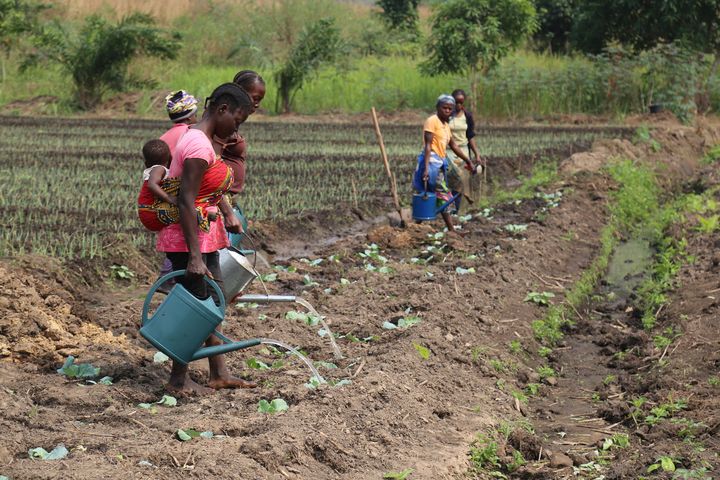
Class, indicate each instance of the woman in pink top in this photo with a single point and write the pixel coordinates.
(193, 244)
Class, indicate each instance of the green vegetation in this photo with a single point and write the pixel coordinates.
(539, 298)
(318, 44)
(471, 36)
(97, 57)
(380, 62)
(293, 169)
(275, 406)
(398, 475)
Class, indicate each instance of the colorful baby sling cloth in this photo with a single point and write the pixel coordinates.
(215, 182)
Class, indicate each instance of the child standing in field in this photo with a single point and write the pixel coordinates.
(156, 206)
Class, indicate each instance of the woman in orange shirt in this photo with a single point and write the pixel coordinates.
(432, 164)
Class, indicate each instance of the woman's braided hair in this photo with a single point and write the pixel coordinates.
(231, 94)
(246, 79)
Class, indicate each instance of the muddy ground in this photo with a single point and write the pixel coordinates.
(400, 409)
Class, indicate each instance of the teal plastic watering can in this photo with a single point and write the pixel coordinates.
(183, 322)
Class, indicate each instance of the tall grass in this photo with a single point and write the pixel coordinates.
(523, 85)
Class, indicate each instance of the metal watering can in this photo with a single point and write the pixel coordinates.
(237, 272)
(424, 205)
(183, 322)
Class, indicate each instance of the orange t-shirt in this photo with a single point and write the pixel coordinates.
(441, 134)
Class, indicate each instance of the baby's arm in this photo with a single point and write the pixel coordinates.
(156, 178)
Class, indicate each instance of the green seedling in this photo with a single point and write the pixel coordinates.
(187, 434)
(309, 319)
(166, 400)
(539, 298)
(708, 224)
(422, 350)
(405, 322)
(515, 346)
(484, 453)
(665, 463)
(498, 365)
(275, 406)
(515, 229)
(121, 272)
(57, 453)
(619, 440)
(544, 351)
(268, 277)
(160, 357)
(520, 396)
(714, 381)
(532, 389)
(545, 372)
(282, 268)
(257, 364)
(309, 282)
(609, 379)
(80, 370)
(398, 475)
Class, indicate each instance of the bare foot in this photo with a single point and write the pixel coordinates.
(230, 382)
(188, 388)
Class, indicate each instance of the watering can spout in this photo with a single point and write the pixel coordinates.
(224, 348)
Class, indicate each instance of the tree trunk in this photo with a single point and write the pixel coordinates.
(473, 89)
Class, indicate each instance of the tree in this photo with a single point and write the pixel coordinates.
(696, 23)
(17, 17)
(317, 45)
(400, 15)
(97, 57)
(471, 36)
(555, 22)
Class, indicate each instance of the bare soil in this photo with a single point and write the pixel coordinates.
(400, 410)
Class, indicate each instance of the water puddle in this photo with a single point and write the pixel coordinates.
(570, 415)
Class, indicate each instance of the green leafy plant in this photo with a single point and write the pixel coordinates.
(619, 440)
(121, 272)
(516, 229)
(57, 453)
(404, 322)
(484, 453)
(712, 155)
(187, 434)
(319, 44)
(422, 350)
(275, 406)
(545, 372)
(708, 224)
(97, 57)
(515, 346)
(78, 370)
(398, 475)
(539, 298)
(664, 462)
(472, 36)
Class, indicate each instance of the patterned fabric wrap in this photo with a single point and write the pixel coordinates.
(180, 105)
(215, 183)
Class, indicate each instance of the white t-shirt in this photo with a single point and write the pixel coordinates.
(146, 172)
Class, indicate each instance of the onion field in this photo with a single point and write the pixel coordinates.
(68, 187)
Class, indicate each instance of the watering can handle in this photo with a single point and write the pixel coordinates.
(165, 278)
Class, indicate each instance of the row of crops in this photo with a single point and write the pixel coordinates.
(68, 187)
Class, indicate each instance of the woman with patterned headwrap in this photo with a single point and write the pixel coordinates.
(432, 163)
(182, 109)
